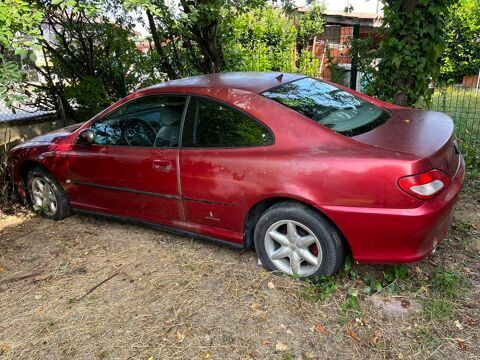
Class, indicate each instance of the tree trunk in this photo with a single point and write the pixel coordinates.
(166, 66)
(206, 37)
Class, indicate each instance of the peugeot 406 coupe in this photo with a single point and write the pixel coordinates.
(299, 168)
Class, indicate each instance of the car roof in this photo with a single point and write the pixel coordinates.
(256, 82)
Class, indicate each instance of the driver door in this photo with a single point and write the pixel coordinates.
(130, 170)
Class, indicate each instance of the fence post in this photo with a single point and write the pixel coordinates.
(354, 69)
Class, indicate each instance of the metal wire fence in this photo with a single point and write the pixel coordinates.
(21, 113)
(462, 103)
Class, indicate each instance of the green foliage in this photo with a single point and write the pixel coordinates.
(320, 289)
(407, 59)
(192, 33)
(372, 285)
(38, 209)
(394, 272)
(462, 44)
(259, 40)
(310, 24)
(92, 61)
(446, 281)
(267, 38)
(336, 72)
(349, 268)
(351, 301)
(19, 31)
(10, 80)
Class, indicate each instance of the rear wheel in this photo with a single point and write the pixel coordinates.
(46, 195)
(294, 239)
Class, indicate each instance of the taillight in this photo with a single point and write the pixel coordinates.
(425, 186)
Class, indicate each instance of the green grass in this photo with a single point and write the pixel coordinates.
(437, 308)
(428, 338)
(446, 286)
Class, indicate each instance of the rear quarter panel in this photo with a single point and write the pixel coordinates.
(308, 162)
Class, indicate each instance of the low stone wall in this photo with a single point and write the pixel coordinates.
(17, 131)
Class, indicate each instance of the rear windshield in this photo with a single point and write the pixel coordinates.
(329, 106)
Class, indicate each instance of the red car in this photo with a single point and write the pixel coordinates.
(302, 169)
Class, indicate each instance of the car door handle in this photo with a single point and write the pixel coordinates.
(162, 165)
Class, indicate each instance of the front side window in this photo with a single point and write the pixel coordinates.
(212, 124)
(328, 105)
(147, 122)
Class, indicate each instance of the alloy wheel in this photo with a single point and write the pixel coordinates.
(293, 248)
(43, 196)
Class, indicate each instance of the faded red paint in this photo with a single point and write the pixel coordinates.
(352, 181)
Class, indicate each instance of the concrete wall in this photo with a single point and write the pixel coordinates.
(14, 132)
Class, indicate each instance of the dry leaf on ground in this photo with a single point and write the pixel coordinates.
(319, 328)
(376, 336)
(281, 346)
(353, 334)
(179, 336)
(462, 344)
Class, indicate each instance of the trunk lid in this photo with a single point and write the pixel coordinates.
(426, 134)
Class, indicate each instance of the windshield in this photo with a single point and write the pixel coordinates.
(329, 106)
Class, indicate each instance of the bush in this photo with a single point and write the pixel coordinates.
(462, 44)
(271, 39)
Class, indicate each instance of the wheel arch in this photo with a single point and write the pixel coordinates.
(24, 168)
(28, 166)
(256, 211)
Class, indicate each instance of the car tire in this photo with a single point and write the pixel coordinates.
(47, 195)
(289, 236)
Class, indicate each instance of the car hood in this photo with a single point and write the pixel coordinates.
(55, 136)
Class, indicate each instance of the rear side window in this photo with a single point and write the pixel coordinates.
(329, 106)
(211, 124)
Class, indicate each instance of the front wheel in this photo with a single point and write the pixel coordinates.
(46, 195)
(294, 239)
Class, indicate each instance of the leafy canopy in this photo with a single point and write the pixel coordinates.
(462, 44)
(18, 31)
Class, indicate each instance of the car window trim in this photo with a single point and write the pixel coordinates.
(185, 106)
(236, 108)
(182, 121)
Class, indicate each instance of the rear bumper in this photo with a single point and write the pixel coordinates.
(378, 235)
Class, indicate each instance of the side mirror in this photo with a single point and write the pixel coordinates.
(86, 137)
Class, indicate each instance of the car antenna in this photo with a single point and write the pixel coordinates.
(279, 77)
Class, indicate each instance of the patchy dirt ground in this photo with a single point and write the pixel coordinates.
(169, 297)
